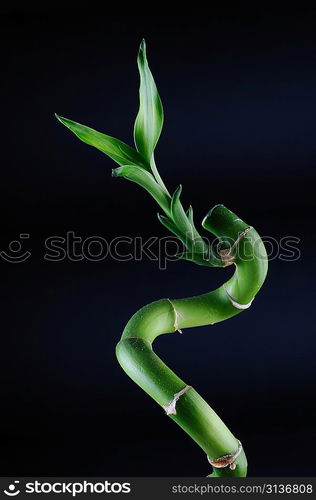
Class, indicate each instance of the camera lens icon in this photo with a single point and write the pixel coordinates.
(13, 491)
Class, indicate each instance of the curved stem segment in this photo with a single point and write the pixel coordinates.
(181, 402)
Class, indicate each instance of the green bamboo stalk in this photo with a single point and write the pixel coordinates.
(239, 245)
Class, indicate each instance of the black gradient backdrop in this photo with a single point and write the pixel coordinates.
(239, 92)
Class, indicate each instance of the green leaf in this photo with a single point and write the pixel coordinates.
(165, 221)
(178, 214)
(146, 180)
(209, 260)
(149, 121)
(189, 214)
(120, 152)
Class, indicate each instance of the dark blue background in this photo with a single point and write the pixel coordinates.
(239, 92)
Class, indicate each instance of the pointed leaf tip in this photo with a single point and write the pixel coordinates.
(149, 120)
(141, 56)
(65, 121)
(59, 118)
(120, 152)
(177, 192)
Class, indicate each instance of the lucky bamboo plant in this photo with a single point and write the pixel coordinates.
(238, 245)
